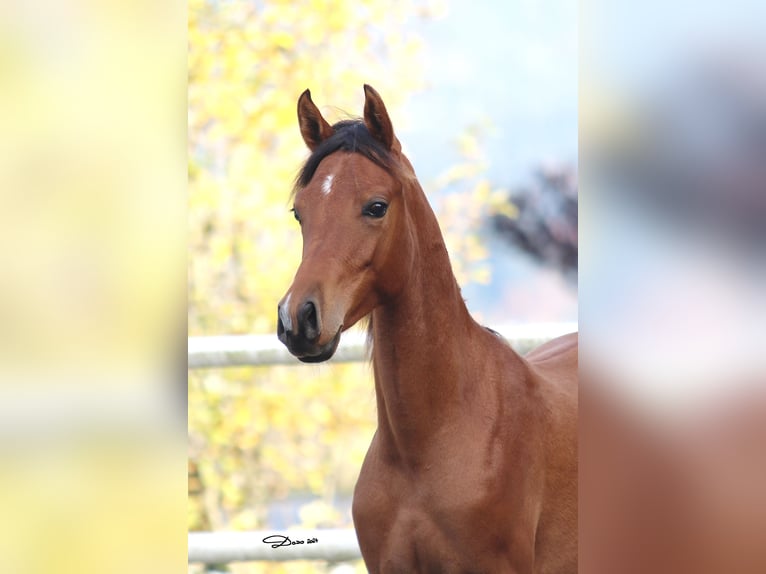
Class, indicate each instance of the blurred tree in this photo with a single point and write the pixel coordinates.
(540, 219)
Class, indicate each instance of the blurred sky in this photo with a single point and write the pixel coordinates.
(511, 66)
(510, 69)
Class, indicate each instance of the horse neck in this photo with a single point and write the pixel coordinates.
(421, 343)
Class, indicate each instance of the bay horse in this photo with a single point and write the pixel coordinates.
(473, 466)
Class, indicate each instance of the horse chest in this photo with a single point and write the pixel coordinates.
(432, 522)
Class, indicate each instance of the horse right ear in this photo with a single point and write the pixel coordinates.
(376, 119)
(314, 128)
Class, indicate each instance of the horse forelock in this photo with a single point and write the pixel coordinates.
(350, 136)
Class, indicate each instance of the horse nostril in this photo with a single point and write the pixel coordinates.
(308, 321)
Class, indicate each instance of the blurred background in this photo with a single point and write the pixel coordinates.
(672, 287)
(483, 97)
(92, 269)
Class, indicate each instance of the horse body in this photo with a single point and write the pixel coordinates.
(473, 464)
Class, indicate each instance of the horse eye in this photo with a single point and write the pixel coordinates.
(295, 214)
(376, 209)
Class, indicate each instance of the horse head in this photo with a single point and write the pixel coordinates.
(349, 201)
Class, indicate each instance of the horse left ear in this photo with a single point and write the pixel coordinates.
(376, 118)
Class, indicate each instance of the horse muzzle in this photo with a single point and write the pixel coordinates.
(301, 337)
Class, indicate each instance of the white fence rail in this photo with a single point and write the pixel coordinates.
(331, 545)
(253, 350)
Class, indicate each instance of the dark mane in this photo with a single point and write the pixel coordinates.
(351, 136)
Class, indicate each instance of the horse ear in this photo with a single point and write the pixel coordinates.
(314, 128)
(376, 118)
